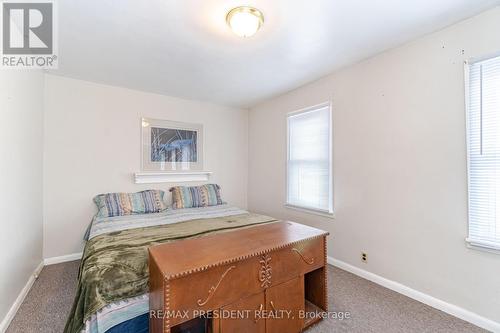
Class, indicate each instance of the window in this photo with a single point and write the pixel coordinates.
(483, 152)
(309, 163)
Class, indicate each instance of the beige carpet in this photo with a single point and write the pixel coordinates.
(372, 307)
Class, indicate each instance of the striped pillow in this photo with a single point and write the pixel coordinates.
(119, 204)
(196, 196)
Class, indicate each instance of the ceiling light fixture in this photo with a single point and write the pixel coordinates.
(245, 21)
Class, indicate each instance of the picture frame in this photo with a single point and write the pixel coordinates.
(171, 146)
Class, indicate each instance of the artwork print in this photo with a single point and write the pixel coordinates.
(171, 146)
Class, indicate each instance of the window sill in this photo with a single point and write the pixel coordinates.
(480, 246)
(311, 211)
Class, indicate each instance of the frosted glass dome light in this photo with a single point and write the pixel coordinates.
(245, 21)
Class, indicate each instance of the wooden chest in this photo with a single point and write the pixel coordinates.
(268, 278)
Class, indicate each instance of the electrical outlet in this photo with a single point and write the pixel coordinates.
(364, 257)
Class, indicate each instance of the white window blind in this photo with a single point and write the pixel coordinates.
(483, 150)
(309, 159)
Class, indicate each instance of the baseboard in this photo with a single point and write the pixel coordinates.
(22, 295)
(451, 309)
(58, 260)
(19, 300)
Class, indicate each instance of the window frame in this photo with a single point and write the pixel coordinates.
(472, 243)
(330, 213)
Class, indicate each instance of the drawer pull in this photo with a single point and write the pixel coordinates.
(260, 312)
(212, 289)
(309, 261)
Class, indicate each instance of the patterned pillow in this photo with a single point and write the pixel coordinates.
(196, 196)
(119, 204)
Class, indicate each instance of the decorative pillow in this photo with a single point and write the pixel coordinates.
(196, 196)
(119, 204)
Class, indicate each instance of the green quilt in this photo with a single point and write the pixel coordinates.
(114, 266)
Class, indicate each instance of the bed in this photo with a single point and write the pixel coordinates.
(112, 295)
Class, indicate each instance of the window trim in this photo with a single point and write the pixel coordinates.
(473, 244)
(330, 213)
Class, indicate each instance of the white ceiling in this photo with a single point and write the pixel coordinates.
(184, 48)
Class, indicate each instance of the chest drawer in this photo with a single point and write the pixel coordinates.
(297, 259)
(213, 288)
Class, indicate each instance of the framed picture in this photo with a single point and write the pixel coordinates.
(171, 146)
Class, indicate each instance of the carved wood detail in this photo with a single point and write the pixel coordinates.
(212, 289)
(266, 272)
(309, 261)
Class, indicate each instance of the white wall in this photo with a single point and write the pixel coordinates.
(92, 146)
(21, 112)
(399, 165)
